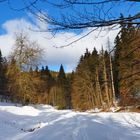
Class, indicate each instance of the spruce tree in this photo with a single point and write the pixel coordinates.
(61, 76)
(63, 87)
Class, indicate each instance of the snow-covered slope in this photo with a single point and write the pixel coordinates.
(46, 123)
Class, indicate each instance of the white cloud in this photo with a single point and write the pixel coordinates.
(6, 43)
(67, 56)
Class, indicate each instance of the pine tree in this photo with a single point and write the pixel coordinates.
(94, 67)
(125, 55)
(86, 91)
(60, 91)
(61, 76)
(3, 79)
(116, 65)
(106, 80)
(48, 84)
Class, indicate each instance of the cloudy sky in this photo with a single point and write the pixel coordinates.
(12, 22)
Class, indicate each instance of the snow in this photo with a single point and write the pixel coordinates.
(43, 122)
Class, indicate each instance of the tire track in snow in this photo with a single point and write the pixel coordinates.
(132, 121)
(80, 128)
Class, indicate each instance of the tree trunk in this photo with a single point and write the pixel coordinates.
(106, 82)
(98, 89)
(112, 82)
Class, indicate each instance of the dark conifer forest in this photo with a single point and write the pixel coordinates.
(101, 79)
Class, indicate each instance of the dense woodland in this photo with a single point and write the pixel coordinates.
(101, 80)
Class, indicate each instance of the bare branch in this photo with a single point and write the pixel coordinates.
(26, 6)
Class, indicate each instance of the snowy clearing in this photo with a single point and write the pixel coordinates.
(43, 122)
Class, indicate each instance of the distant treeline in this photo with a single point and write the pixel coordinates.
(100, 79)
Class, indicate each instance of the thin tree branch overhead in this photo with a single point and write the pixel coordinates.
(81, 14)
(71, 15)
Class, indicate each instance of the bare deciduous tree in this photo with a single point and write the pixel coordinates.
(22, 84)
(26, 53)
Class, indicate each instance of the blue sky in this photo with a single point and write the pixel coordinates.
(12, 21)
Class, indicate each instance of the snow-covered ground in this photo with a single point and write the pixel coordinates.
(43, 122)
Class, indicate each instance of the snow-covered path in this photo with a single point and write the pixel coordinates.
(46, 123)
